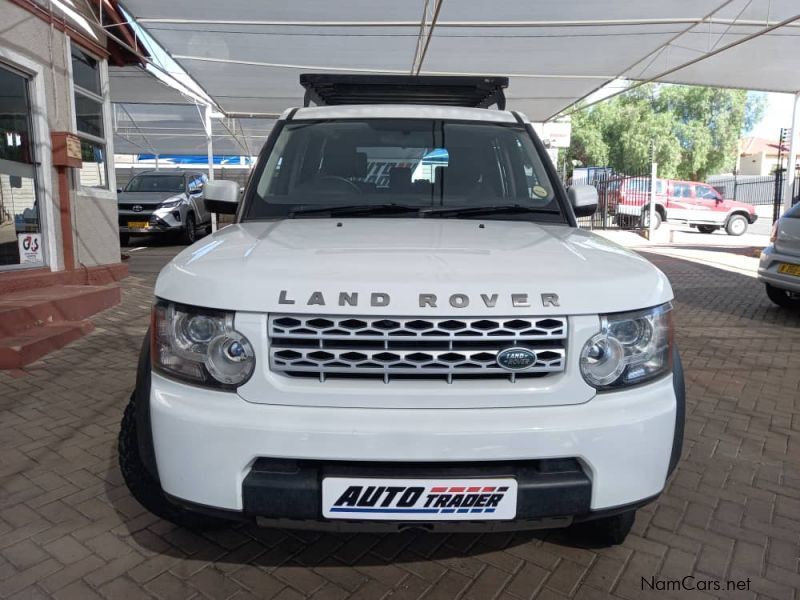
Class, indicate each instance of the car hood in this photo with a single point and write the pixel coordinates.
(303, 265)
(144, 198)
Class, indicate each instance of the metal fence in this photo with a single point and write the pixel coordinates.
(622, 199)
(767, 190)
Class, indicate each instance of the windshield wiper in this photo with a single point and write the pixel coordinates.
(487, 210)
(353, 209)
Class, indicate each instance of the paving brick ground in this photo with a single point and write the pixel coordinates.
(69, 528)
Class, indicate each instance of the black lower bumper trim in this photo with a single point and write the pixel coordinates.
(292, 489)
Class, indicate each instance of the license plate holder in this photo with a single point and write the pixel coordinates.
(424, 499)
(789, 269)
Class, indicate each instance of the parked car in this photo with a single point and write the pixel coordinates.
(696, 204)
(163, 202)
(440, 349)
(779, 267)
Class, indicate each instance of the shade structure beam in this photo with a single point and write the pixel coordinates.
(521, 24)
(248, 57)
(704, 56)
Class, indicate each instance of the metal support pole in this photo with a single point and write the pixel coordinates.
(210, 150)
(794, 149)
(653, 178)
(156, 162)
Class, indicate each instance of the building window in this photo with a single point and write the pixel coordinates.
(89, 121)
(20, 231)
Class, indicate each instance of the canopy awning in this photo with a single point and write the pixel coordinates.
(179, 129)
(248, 55)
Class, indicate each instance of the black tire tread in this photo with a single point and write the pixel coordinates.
(144, 487)
(733, 218)
(781, 298)
(190, 230)
(608, 531)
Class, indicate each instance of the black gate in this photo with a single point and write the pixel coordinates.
(622, 200)
(765, 191)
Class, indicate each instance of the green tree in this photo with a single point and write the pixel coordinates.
(693, 130)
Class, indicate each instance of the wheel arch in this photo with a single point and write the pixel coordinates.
(141, 399)
(735, 212)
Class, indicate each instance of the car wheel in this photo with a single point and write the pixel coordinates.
(124, 239)
(736, 225)
(144, 487)
(608, 531)
(707, 228)
(209, 229)
(783, 298)
(646, 218)
(190, 230)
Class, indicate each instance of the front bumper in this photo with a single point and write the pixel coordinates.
(157, 222)
(208, 444)
(768, 270)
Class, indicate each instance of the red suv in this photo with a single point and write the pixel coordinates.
(691, 202)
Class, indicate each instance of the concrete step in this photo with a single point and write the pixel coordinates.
(24, 310)
(24, 348)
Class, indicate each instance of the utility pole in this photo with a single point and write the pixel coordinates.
(778, 202)
(210, 151)
(794, 150)
(653, 178)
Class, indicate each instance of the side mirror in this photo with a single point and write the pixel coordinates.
(119, 190)
(583, 199)
(222, 197)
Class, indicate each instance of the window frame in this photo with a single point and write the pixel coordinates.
(40, 137)
(106, 143)
(254, 193)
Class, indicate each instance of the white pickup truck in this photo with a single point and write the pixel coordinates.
(405, 328)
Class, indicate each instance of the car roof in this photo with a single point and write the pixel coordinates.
(402, 111)
(169, 173)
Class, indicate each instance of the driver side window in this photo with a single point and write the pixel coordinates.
(706, 192)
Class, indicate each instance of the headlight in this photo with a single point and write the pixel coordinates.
(171, 202)
(200, 346)
(630, 348)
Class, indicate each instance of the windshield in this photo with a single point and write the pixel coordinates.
(420, 166)
(155, 183)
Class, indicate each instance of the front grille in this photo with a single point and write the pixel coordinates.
(412, 348)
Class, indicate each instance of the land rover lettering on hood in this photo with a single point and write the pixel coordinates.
(404, 327)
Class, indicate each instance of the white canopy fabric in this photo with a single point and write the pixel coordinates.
(135, 85)
(248, 55)
(179, 129)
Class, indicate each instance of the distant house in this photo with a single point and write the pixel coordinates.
(759, 156)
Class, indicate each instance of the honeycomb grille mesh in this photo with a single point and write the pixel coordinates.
(411, 348)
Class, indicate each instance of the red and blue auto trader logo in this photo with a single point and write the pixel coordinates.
(415, 500)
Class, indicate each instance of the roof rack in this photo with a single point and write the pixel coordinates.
(442, 90)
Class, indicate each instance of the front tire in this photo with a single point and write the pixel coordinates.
(190, 230)
(783, 298)
(736, 225)
(657, 220)
(144, 487)
(608, 531)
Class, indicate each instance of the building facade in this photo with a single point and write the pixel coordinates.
(58, 219)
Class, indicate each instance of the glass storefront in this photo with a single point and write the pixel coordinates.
(20, 225)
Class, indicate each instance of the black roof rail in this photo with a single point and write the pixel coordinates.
(440, 90)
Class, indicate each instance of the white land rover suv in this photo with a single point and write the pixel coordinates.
(405, 328)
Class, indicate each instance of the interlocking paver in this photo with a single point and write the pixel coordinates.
(69, 528)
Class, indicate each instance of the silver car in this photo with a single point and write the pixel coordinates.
(163, 202)
(779, 268)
